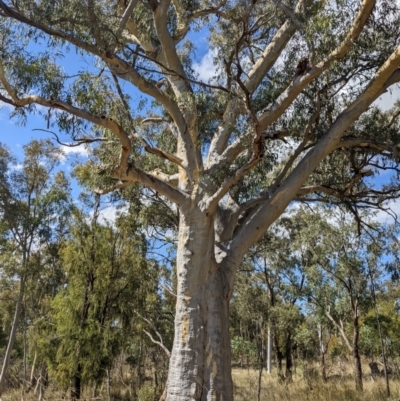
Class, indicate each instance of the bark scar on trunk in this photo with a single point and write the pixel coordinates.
(185, 329)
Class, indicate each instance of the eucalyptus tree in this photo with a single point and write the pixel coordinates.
(108, 278)
(340, 277)
(33, 201)
(281, 267)
(287, 117)
(249, 319)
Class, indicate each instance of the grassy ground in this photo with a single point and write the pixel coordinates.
(339, 388)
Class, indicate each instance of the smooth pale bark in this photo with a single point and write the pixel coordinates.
(13, 334)
(200, 364)
(353, 346)
(41, 382)
(32, 379)
(323, 350)
(269, 350)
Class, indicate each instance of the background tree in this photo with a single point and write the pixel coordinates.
(107, 281)
(33, 203)
(339, 280)
(287, 117)
(284, 278)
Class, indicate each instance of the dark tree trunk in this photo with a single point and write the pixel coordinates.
(76, 385)
(289, 360)
(278, 352)
(356, 356)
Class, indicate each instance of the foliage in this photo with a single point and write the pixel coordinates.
(108, 279)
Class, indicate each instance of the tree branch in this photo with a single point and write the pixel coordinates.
(300, 82)
(223, 189)
(230, 181)
(14, 14)
(394, 118)
(125, 16)
(178, 81)
(172, 179)
(159, 343)
(272, 51)
(292, 158)
(183, 24)
(369, 144)
(155, 182)
(108, 123)
(260, 68)
(387, 75)
(103, 121)
(292, 15)
(94, 22)
(319, 189)
(340, 328)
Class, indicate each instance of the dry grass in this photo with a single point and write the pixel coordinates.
(246, 389)
(338, 389)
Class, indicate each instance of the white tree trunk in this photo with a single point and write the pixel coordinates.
(269, 350)
(200, 364)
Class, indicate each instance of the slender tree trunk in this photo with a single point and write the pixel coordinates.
(278, 353)
(289, 360)
(260, 379)
(322, 349)
(109, 384)
(32, 379)
(200, 363)
(273, 335)
(269, 349)
(356, 356)
(94, 390)
(76, 385)
(24, 382)
(42, 382)
(323, 367)
(13, 334)
(262, 359)
(383, 348)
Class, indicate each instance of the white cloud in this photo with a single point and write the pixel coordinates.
(108, 214)
(206, 67)
(209, 66)
(387, 100)
(388, 218)
(80, 150)
(17, 166)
